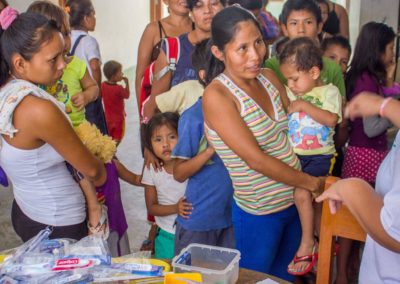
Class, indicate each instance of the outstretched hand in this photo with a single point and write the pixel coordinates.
(363, 105)
(333, 196)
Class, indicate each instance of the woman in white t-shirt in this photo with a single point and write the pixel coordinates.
(82, 18)
(164, 195)
(378, 212)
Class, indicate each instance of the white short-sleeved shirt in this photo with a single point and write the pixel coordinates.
(380, 265)
(169, 191)
(87, 49)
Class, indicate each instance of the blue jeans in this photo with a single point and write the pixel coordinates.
(267, 243)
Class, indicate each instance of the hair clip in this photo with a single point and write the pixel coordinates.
(7, 16)
(67, 9)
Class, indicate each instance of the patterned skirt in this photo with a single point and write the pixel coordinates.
(362, 162)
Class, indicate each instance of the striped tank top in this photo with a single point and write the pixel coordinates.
(253, 192)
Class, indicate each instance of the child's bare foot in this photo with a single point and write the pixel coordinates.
(304, 260)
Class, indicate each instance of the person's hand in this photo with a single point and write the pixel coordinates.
(333, 197)
(210, 149)
(390, 71)
(79, 101)
(184, 208)
(297, 106)
(94, 218)
(320, 185)
(363, 105)
(125, 79)
(150, 159)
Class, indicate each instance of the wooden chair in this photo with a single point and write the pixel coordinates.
(341, 224)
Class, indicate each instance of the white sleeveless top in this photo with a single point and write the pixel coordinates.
(43, 187)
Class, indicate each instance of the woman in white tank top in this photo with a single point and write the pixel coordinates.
(37, 137)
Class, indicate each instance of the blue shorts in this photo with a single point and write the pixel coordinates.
(317, 165)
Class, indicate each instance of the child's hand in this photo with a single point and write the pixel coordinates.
(297, 106)
(210, 149)
(79, 101)
(125, 79)
(184, 208)
(150, 159)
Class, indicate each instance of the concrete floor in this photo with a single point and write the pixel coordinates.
(133, 197)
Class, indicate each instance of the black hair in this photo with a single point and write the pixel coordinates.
(264, 3)
(303, 53)
(223, 29)
(199, 58)
(247, 4)
(370, 46)
(4, 2)
(336, 40)
(297, 5)
(323, 2)
(24, 36)
(78, 9)
(52, 12)
(111, 68)
(280, 44)
(170, 119)
(192, 3)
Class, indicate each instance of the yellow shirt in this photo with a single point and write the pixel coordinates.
(307, 136)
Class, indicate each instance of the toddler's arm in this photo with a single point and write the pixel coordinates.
(183, 169)
(89, 94)
(127, 90)
(321, 116)
(127, 175)
(182, 208)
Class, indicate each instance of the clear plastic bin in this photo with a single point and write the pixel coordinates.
(217, 265)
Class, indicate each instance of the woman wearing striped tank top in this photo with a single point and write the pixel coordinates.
(246, 122)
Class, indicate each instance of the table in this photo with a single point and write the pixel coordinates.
(247, 276)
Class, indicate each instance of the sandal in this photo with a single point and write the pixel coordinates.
(102, 228)
(311, 259)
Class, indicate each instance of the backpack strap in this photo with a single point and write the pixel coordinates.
(72, 52)
(172, 50)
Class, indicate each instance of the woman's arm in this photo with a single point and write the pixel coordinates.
(95, 66)
(89, 94)
(159, 86)
(127, 175)
(221, 113)
(343, 20)
(145, 48)
(368, 104)
(41, 121)
(184, 169)
(365, 204)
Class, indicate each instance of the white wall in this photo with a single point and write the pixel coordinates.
(120, 24)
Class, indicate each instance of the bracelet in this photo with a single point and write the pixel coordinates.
(383, 105)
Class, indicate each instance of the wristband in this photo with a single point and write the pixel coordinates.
(383, 105)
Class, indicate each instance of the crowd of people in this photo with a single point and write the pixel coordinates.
(237, 137)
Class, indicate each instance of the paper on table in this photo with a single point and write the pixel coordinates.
(267, 281)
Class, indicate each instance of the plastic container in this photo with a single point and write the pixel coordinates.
(217, 265)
